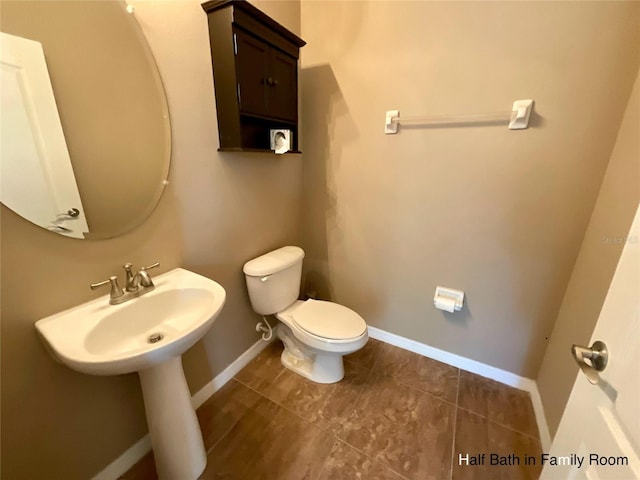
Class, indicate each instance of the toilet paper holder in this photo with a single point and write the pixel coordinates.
(280, 140)
(448, 299)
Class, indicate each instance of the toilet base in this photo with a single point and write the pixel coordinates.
(319, 367)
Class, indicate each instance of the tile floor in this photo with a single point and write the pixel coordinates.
(395, 416)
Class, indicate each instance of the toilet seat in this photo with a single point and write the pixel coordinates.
(329, 320)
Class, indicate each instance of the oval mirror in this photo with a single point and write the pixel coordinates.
(96, 166)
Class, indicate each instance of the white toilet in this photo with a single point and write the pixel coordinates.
(316, 334)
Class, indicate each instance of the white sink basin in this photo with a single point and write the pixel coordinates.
(102, 339)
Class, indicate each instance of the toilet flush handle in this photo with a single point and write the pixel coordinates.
(265, 278)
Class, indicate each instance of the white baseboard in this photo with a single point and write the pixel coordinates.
(476, 367)
(228, 373)
(143, 446)
(541, 419)
(125, 461)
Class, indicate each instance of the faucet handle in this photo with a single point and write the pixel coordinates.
(157, 264)
(145, 278)
(116, 291)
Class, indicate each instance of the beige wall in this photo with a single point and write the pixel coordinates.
(499, 214)
(218, 211)
(599, 254)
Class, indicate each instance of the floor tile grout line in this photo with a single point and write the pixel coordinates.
(289, 410)
(455, 422)
(370, 457)
(282, 370)
(380, 372)
(417, 389)
(324, 464)
(224, 435)
(359, 396)
(501, 424)
(234, 423)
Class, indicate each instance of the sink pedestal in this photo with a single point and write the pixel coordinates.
(173, 426)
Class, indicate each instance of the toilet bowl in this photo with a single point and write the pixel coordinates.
(316, 333)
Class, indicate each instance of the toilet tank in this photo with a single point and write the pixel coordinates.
(273, 279)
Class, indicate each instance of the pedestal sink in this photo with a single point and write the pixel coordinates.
(146, 335)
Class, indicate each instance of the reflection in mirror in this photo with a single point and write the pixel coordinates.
(112, 110)
(36, 177)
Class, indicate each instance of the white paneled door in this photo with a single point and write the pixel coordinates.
(599, 434)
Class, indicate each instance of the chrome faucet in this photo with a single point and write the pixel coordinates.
(134, 281)
(136, 284)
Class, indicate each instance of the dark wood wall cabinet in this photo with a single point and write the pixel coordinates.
(255, 75)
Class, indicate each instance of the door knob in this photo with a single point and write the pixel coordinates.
(68, 215)
(591, 360)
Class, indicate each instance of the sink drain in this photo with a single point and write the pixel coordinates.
(155, 337)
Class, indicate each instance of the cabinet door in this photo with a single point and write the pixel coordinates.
(252, 65)
(282, 99)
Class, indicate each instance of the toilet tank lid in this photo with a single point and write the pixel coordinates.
(273, 262)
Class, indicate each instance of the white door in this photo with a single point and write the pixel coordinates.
(36, 176)
(601, 425)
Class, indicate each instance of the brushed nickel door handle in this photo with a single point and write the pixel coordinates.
(591, 360)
